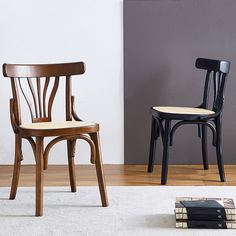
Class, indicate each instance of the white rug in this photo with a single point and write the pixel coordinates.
(132, 211)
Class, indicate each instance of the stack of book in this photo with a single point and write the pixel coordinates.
(205, 213)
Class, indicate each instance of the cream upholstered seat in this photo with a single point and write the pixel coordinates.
(56, 125)
(183, 110)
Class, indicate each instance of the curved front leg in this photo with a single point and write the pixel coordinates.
(99, 169)
(71, 154)
(153, 141)
(165, 157)
(39, 176)
(219, 149)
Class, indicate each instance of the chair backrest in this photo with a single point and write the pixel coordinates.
(38, 78)
(217, 70)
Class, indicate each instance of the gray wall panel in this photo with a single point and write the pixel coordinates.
(162, 39)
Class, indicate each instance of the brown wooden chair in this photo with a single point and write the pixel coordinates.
(42, 125)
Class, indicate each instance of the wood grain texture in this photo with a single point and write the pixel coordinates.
(99, 169)
(17, 165)
(71, 165)
(43, 70)
(122, 175)
(42, 125)
(39, 176)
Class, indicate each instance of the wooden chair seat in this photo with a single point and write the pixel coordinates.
(57, 128)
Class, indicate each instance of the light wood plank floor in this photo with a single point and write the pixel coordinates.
(122, 175)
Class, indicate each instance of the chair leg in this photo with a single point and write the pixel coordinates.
(71, 151)
(17, 165)
(204, 147)
(39, 176)
(219, 150)
(166, 144)
(99, 169)
(152, 149)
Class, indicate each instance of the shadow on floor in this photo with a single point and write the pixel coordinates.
(160, 221)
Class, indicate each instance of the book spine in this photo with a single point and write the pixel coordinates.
(199, 210)
(197, 224)
(186, 216)
(227, 211)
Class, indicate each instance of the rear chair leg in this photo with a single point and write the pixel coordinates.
(99, 169)
(204, 147)
(17, 165)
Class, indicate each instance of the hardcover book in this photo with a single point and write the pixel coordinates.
(205, 206)
(186, 216)
(202, 224)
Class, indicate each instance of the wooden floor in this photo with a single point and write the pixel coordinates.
(122, 175)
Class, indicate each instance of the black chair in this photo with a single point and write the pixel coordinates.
(203, 116)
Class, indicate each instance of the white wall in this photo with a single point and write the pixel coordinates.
(43, 31)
